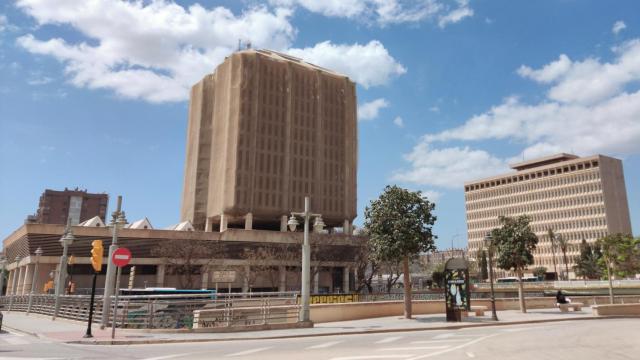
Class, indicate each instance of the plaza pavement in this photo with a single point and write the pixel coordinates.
(69, 331)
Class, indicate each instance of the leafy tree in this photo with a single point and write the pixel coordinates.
(484, 274)
(587, 265)
(552, 239)
(400, 227)
(515, 243)
(563, 244)
(539, 271)
(620, 256)
(437, 278)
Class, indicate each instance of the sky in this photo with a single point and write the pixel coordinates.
(94, 94)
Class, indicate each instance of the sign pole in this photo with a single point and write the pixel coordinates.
(120, 258)
(93, 294)
(115, 304)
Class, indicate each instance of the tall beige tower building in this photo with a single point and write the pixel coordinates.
(579, 198)
(265, 130)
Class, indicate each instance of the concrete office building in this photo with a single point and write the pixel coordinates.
(56, 207)
(265, 130)
(578, 197)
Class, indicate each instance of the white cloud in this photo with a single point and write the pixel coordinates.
(432, 195)
(462, 11)
(549, 72)
(3, 22)
(434, 109)
(385, 12)
(448, 167)
(370, 110)
(618, 26)
(398, 122)
(334, 8)
(369, 65)
(41, 80)
(155, 50)
(589, 81)
(604, 124)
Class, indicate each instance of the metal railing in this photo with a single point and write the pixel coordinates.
(179, 311)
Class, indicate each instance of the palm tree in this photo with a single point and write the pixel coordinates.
(552, 239)
(564, 244)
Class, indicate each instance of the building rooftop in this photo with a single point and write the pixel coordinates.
(286, 57)
(529, 164)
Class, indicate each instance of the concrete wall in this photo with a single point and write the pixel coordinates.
(321, 313)
(616, 309)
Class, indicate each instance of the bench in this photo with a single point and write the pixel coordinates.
(567, 306)
(479, 310)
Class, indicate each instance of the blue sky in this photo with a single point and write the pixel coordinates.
(94, 94)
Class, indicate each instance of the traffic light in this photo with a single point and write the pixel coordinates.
(96, 255)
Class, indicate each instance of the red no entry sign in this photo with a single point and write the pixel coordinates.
(121, 257)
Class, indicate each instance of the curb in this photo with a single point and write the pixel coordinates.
(362, 332)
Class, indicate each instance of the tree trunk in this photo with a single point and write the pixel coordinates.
(611, 300)
(553, 257)
(566, 264)
(407, 288)
(523, 306)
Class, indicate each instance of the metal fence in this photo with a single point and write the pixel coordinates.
(171, 311)
(569, 284)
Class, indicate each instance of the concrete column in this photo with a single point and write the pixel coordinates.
(14, 281)
(282, 273)
(245, 282)
(283, 223)
(355, 278)
(10, 282)
(20, 279)
(208, 227)
(223, 222)
(205, 277)
(26, 281)
(346, 228)
(316, 280)
(345, 280)
(160, 269)
(248, 221)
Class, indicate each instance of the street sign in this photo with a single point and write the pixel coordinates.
(226, 276)
(121, 257)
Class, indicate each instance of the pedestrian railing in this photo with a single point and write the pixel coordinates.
(176, 311)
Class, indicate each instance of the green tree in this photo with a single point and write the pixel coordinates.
(539, 272)
(400, 225)
(552, 240)
(620, 256)
(515, 243)
(484, 274)
(587, 265)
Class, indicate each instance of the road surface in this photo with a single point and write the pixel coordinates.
(609, 339)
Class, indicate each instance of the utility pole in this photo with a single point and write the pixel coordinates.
(117, 221)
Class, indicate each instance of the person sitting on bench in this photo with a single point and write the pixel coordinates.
(561, 299)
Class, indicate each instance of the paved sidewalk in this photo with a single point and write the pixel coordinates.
(63, 330)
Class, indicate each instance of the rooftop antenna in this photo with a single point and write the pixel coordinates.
(248, 45)
(239, 44)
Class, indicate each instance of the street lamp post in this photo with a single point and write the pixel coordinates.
(306, 253)
(15, 284)
(33, 279)
(66, 241)
(118, 221)
(3, 265)
(488, 243)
